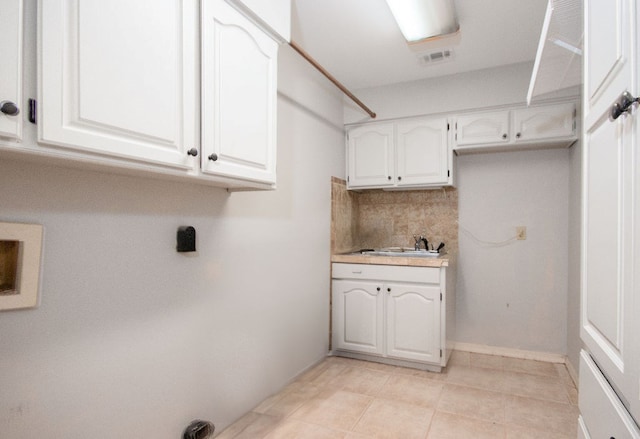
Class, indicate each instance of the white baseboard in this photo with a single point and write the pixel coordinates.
(509, 352)
(572, 372)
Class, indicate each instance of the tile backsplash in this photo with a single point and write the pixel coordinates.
(377, 218)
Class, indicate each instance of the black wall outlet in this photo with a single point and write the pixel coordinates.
(186, 239)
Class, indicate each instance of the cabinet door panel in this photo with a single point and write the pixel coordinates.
(540, 123)
(602, 307)
(11, 23)
(370, 156)
(413, 322)
(239, 80)
(118, 78)
(357, 316)
(608, 60)
(422, 152)
(482, 128)
(604, 415)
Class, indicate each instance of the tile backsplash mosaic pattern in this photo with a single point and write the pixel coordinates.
(377, 218)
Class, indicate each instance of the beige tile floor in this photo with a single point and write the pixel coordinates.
(477, 396)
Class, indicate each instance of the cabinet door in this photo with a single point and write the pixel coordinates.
(11, 23)
(413, 322)
(239, 93)
(357, 316)
(482, 128)
(370, 156)
(118, 78)
(422, 152)
(546, 122)
(611, 199)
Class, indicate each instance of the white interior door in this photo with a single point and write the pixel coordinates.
(609, 306)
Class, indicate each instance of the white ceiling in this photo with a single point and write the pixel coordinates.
(359, 42)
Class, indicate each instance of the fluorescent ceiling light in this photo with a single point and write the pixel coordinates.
(422, 19)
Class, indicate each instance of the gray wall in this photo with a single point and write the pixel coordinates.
(513, 295)
(135, 340)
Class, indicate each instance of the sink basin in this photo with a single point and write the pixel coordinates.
(402, 253)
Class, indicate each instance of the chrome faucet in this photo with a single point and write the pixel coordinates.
(419, 239)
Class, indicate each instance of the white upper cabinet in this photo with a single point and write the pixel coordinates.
(119, 78)
(547, 122)
(542, 126)
(411, 153)
(370, 151)
(183, 88)
(482, 128)
(422, 152)
(239, 93)
(273, 14)
(11, 104)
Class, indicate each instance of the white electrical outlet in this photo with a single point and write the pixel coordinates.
(521, 233)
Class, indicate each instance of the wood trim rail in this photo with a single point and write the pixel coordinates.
(331, 78)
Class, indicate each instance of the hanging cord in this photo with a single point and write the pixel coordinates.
(484, 243)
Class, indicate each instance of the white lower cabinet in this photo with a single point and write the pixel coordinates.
(413, 322)
(358, 316)
(389, 312)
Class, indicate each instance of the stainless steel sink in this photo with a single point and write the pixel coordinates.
(401, 252)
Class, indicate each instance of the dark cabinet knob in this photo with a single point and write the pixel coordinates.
(504, 136)
(9, 108)
(389, 178)
(399, 178)
(517, 135)
(388, 290)
(213, 157)
(378, 289)
(193, 152)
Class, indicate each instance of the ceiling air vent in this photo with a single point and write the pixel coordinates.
(436, 57)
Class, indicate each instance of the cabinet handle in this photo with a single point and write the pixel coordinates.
(356, 272)
(504, 136)
(389, 178)
(399, 178)
(622, 105)
(193, 152)
(9, 108)
(388, 290)
(517, 135)
(213, 157)
(378, 289)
